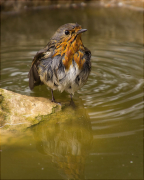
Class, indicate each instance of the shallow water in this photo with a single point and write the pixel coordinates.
(106, 140)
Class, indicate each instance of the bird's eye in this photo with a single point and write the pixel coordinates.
(67, 32)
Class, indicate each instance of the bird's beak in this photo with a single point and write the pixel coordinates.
(81, 31)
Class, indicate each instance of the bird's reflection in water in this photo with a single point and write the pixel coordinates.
(66, 137)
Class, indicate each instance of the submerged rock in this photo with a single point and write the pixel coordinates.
(22, 111)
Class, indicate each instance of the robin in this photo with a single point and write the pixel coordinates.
(64, 64)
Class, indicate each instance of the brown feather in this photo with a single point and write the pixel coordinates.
(33, 75)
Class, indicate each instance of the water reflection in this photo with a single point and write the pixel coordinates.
(67, 138)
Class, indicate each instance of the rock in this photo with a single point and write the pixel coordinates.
(23, 111)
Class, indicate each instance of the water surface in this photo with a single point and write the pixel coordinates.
(105, 141)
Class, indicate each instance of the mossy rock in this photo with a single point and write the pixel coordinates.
(20, 111)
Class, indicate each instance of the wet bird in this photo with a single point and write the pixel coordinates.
(64, 64)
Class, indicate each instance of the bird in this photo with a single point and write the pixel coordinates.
(64, 64)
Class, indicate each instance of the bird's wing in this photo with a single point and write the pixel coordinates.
(33, 75)
(85, 71)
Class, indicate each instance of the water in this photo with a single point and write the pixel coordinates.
(105, 141)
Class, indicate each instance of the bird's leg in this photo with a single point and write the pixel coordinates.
(71, 97)
(72, 102)
(53, 99)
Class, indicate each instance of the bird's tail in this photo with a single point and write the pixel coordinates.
(34, 78)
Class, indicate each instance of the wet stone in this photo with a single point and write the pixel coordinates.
(20, 111)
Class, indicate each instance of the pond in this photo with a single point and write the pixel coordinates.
(104, 140)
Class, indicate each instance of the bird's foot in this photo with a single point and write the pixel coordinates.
(54, 101)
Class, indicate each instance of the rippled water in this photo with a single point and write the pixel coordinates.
(111, 99)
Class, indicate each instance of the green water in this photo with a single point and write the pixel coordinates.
(103, 139)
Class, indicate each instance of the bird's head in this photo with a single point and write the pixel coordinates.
(67, 33)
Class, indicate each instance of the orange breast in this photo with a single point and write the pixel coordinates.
(71, 50)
